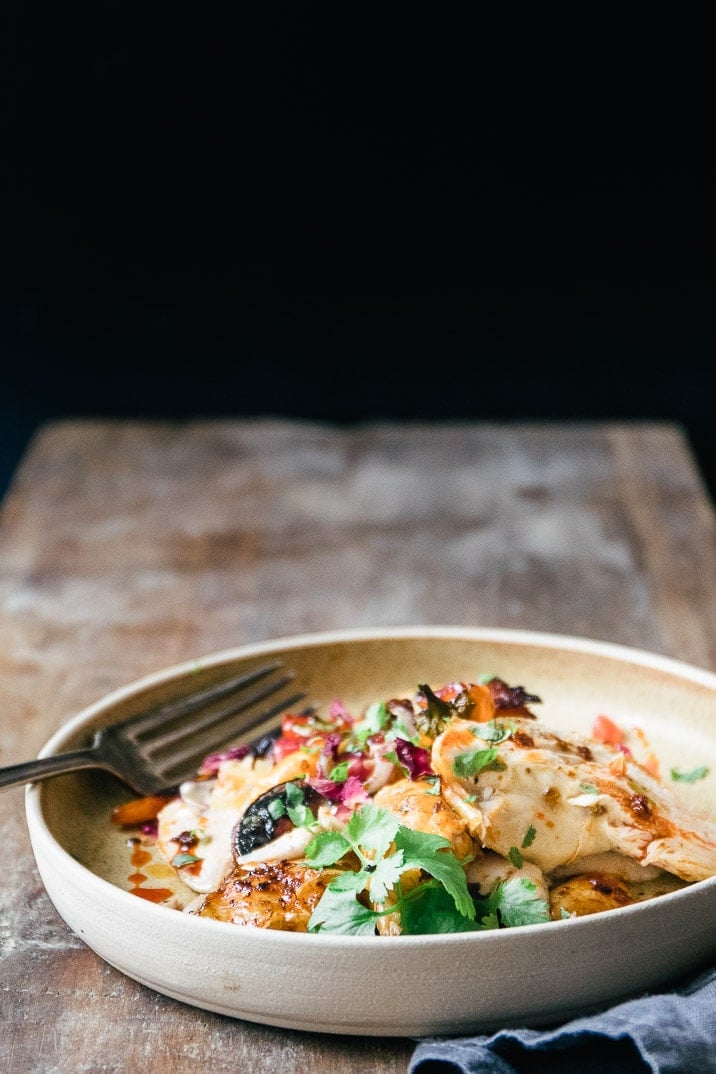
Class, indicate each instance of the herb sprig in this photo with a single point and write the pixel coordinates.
(689, 777)
(386, 849)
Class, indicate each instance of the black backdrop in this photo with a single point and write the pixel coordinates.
(211, 212)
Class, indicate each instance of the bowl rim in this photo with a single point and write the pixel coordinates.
(43, 840)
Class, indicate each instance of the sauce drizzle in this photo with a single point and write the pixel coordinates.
(139, 858)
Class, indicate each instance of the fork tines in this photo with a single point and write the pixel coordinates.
(177, 736)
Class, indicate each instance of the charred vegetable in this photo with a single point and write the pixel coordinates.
(436, 715)
(274, 813)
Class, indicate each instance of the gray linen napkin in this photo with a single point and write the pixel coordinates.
(670, 1032)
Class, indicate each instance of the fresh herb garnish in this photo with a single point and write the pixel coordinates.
(437, 713)
(516, 858)
(376, 719)
(298, 812)
(294, 807)
(429, 909)
(469, 764)
(180, 860)
(385, 850)
(589, 788)
(493, 731)
(689, 777)
(339, 772)
(511, 904)
(529, 837)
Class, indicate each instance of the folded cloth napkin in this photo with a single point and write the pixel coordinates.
(670, 1032)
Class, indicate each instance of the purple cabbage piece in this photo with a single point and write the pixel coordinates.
(210, 764)
(414, 759)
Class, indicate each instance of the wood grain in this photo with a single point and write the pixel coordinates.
(127, 546)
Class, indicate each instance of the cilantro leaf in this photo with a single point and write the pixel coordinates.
(516, 858)
(339, 772)
(529, 837)
(339, 911)
(348, 881)
(493, 731)
(490, 920)
(431, 853)
(689, 777)
(386, 849)
(375, 720)
(371, 828)
(428, 908)
(469, 764)
(327, 848)
(377, 716)
(384, 876)
(516, 903)
(298, 812)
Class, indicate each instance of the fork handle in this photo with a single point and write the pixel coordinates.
(44, 767)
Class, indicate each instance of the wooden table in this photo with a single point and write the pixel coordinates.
(127, 547)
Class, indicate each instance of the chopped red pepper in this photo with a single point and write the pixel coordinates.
(605, 730)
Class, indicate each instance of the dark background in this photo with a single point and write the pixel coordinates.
(343, 217)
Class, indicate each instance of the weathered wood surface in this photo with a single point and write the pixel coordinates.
(127, 547)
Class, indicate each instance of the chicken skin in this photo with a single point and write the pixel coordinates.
(560, 799)
(269, 895)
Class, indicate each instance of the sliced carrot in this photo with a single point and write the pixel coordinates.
(651, 764)
(481, 697)
(138, 811)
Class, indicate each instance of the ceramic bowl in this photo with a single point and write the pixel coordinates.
(404, 985)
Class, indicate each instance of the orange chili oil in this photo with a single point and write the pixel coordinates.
(139, 858)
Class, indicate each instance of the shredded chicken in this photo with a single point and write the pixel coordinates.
(580, 798)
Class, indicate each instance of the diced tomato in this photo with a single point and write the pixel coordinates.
(293, 726)
(605, 730)
(450, 691)
(287, 744)
(307, 730)
(295, 732)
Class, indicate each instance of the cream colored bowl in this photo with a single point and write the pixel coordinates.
(405, 985)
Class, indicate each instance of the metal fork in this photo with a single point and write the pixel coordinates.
(157, 749)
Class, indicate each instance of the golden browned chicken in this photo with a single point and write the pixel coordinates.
(557, 799)
(418, 807)
(270, 895)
